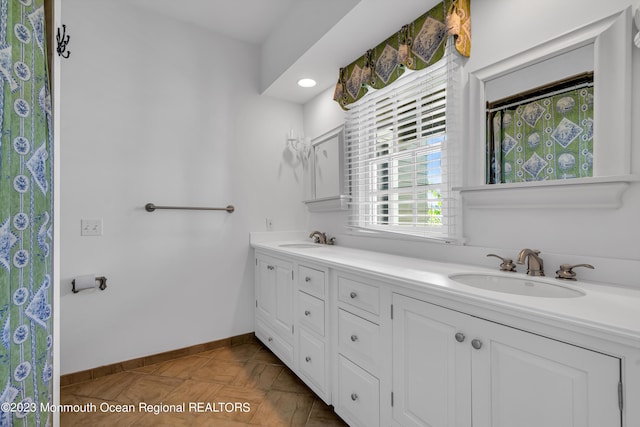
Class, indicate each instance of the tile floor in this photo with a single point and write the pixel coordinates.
(264, 393)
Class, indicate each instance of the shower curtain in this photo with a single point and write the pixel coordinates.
(26, 206)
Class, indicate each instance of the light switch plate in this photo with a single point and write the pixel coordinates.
(91, 227)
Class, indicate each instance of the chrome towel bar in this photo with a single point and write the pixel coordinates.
(150, 207)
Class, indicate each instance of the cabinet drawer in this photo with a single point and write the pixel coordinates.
(311, 312)
(275, 343)
(311, 280)
(358, 399)
(312, 359)
(359, 340)
(358, 294)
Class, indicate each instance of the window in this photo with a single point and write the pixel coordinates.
(401, 155)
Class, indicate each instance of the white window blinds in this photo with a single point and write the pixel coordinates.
(402, 154)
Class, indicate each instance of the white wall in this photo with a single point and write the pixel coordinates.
(156, 111)
(607, 238)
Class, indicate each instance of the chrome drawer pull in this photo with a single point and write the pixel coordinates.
(307, 279)
(307, 359)
(460, 337)
(353, 295)
(354, 338)
(354, 397)
(477, 344)
(307, 313)
(270, 267)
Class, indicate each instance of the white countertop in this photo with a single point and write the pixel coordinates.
(609, 312)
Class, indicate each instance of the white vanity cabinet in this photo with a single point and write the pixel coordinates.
(291, 316)
(274, 305)
(358, 355)
(391, 341)
(452, 369)
(311, 326)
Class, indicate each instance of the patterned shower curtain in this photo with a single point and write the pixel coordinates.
(545, 139)
(26, 206)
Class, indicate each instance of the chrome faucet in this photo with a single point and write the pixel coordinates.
(319, 237)
(534, 262)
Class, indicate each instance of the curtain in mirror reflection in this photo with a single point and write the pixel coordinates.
(543, 134)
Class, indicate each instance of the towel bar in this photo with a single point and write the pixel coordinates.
(150, 207)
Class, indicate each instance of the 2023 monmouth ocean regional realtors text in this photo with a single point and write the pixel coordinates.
(108, 407)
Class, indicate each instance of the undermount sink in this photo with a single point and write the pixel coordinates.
(516, 285)
(299, 245)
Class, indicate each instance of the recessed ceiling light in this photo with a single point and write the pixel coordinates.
(306, 83)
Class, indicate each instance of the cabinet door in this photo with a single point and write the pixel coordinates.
(284, 299)
(525, 380)
(431, 368)
(274, 294)
(265, 288)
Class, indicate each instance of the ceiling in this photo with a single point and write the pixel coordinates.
(226, 17)
(297, 38)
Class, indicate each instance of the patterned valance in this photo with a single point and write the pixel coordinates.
(415, 46)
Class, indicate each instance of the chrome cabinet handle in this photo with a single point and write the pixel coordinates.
(353, 295)
(307, 359)
(460, 337)
(307, 313)
(354, 338)
(477, 344)
(270, 267)
(354, 397)
(270, 339)
(307, 279)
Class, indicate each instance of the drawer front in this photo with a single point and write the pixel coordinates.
(359, 340)
(312, 359)
(275, 343)
(311, 280)
(311, 312)
(358, 294)
(358, 401)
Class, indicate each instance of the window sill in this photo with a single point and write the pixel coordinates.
(328, 204)
(599, 192)
(398, 236)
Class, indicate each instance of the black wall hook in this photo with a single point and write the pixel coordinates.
(63, 41)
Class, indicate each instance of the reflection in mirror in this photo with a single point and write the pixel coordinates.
(326, 172)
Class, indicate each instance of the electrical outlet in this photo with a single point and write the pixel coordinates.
(269, 223)
(91, 227)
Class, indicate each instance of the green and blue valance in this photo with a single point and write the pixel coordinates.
(415, 46)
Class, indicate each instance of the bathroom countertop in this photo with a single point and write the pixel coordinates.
(610, 312)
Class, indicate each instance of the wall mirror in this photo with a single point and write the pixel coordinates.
(603, 47)
(327, 172)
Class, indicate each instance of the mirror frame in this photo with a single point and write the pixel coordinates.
(611, 39)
